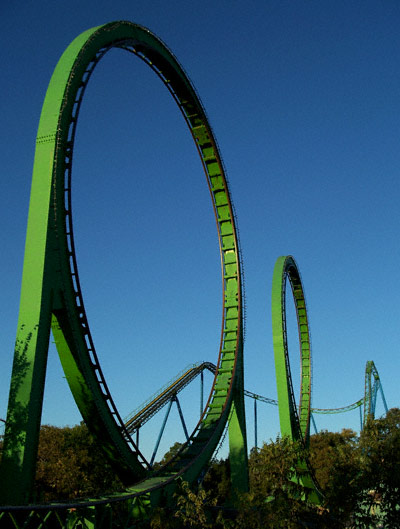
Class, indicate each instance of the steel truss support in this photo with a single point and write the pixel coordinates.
(164, 423)
(313, 423)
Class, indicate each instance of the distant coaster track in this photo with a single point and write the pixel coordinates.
(145, 411)
(51, 291)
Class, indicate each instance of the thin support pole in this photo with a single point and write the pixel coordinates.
(361, 419)
(175, 398)
(313, 423)
(201, 393)
(161, 432)
(383, 397)
(255, 423)
(374, 395)
(137, 436)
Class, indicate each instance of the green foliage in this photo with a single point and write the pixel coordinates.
(168, 455)
(271, 468)
(192, 509)
(331, 452)
(334, 458)
(359, 477)
(379, 479)
(71, 465)
(217, 481)
(275, 498)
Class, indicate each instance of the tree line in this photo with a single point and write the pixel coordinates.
(358, 476)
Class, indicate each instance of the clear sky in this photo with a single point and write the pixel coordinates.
(304, 99)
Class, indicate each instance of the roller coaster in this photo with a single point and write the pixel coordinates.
(168, 394)
(52, 301)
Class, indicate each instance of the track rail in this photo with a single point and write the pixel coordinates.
(143, 413)
(51, 290)
(294, 421)
(343, 409)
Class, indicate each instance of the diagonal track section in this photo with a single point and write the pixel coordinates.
(149, 408)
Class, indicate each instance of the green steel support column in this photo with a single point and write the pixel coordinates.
(31, 346)
(237, 439)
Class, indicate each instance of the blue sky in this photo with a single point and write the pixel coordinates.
(303, 97)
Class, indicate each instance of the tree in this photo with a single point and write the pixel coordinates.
(275, 499)
(217, 481)
(174, 449)
(379, 480)
(360, 479)
(193, 508)
(70, 465)
(329, 450)
(334, 457)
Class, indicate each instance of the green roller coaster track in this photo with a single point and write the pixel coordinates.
(294, 422)
(52, 300)
(169, 391)
(51, 295)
